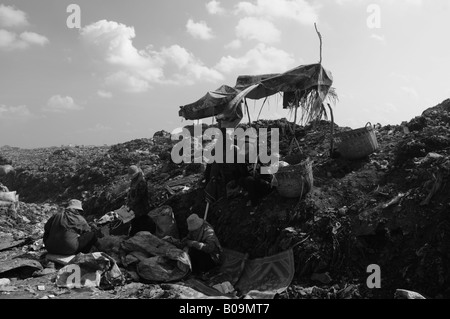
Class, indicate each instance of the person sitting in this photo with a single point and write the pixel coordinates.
(246, 175)
(204, 247)
(137, 201)
(68, 233)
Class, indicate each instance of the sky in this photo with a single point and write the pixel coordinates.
(122, 70)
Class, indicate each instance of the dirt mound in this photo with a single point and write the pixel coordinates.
(389, 209)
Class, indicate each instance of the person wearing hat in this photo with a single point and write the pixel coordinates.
(137, 201)
(68, 233)
(204, 246)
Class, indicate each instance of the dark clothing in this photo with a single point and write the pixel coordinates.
(235, 171)
(256, 188)
(207, 173)
(205, 241)
(219, 176)
(215, 187)
(137, 198)
(137, 201)
(86, 242)
(68, 233)
(201, 262)
(142, 223)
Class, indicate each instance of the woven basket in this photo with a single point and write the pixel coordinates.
(357, 144)
(295, 180)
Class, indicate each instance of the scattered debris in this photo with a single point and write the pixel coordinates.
(4, 281)
(406, 294)
(391, 207)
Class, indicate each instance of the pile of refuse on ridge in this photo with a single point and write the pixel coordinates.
(389, 209)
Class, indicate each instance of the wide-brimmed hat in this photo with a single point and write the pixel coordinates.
(75, 204)
(133, 171)
(194, 222)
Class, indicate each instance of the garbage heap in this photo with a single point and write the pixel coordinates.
(389, 209)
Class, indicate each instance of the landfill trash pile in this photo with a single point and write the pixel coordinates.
(389, 209)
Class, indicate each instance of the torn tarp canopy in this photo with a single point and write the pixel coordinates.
(213, 103)
(304, 77)
(225, 99)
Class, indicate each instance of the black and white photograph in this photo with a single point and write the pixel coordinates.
(235, 157)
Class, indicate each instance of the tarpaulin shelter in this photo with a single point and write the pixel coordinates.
(305, 86)
(225, 102)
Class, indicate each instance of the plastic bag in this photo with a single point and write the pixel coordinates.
(165, 222)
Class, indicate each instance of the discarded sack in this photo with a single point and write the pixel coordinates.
(406, 294)
(8, 197)
(90, 270)
(166, 224)
(121, 214)
(173, 265)
(162, 269)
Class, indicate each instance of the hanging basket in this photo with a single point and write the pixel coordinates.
(357, 144)
(294, 181)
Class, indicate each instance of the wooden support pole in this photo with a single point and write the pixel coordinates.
(320, 38)
(248, 112)
(332, 131)
(206, 211)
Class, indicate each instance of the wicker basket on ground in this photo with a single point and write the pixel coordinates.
(357, 144)
(295, 180)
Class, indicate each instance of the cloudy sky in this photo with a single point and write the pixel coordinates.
(124, 73)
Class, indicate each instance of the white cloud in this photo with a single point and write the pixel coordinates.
(60, 104)
(9, 41)
(301, 11)
(14, 112)
(261, 59)
(12, 17)
(34, 38)
(104, 94)
(192, 68)
(199, 30)
(416, 3)
(214, 7)
(344, 2)
(235, 44)
(114, 43)
(127, 82)
(258, 29)
(133, 70)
